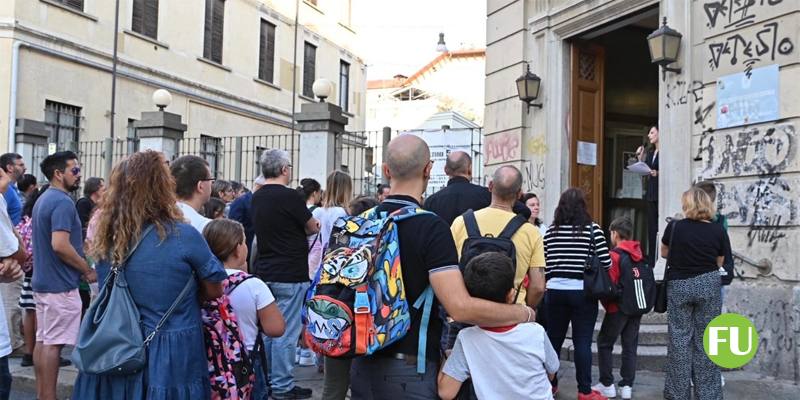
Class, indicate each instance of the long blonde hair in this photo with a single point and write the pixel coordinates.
(141, 191)
(338, 190)
(698, 205)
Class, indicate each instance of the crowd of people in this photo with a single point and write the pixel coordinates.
(506, 284)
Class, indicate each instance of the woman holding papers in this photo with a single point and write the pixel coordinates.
(651, 158)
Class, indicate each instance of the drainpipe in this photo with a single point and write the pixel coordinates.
(12, 108)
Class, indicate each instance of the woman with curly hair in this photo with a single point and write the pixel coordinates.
(570, 241)
(170, 255)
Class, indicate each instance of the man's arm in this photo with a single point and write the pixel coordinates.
(535, 286)
(312, 226)
(64, 250)
(448, 285)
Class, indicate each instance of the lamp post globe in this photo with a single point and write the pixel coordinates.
(322, 88)
(162, 99)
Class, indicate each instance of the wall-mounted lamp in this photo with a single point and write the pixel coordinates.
(528, 88)
(664, 44)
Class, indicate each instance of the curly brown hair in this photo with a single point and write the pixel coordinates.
(141, 191)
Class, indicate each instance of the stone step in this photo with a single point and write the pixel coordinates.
(650, 358)
(649, 335)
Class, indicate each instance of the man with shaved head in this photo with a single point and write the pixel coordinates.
(460, 194)
(428, 257)
(506, 186)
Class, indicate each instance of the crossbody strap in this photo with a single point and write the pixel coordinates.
(671, 245)
(170, 310)
(592, 248)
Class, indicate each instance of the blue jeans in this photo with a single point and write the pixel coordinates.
(281, 351)
(571, 306)
(5, 379)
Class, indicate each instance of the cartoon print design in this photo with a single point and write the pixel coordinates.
(346, 266)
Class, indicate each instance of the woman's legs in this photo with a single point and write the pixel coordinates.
(706, 374)
(584, 316)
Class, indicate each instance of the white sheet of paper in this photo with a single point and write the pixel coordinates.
(587, 153)
(640, 168)
(631, 185)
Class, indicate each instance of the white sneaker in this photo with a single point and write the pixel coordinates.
(297, 356)
(307, 358)
(608, 391)
(625, 392)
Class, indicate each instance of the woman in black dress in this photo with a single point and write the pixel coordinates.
(651, 157)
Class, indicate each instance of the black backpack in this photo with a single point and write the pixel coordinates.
(636, 286)
(477, 244)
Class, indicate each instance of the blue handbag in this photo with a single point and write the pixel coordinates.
(110, 340)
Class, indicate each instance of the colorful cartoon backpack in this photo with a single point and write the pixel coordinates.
(230, 369)
(357, 303)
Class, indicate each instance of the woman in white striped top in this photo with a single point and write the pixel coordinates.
(568, 244)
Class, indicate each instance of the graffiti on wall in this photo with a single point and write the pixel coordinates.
(749, 46)
(734, 13)
(765, 204)
(533, 176)
(751, 151)
(502, 147)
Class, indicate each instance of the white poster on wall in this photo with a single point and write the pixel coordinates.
(441, 144)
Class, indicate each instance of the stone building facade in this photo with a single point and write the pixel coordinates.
(601, 93)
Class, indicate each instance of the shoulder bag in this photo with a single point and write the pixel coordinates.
(596, 282)
(660, 305)
(110, 340)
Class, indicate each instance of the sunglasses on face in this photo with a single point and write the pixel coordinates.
(74, 170)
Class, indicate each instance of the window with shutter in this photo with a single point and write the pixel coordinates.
(145, 18)
(309, 69)
(344, 85)
(266, 59)
(214, 26)
(76, 4)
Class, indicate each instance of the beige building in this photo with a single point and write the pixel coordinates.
(730, 115)
(452, 81)
(227, 63)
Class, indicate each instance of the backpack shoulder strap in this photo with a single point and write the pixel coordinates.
(512, 227)
(424, 301)
(471, 224)
(233, 284)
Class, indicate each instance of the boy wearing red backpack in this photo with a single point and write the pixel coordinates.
(616, 322)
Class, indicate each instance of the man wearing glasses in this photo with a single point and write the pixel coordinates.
(58, 267)
(193, 184)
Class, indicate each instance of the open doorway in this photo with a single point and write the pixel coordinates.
(614, 102)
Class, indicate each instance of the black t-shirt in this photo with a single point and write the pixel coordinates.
(425, 245)
(696, 246)
(85, 206)
(279, 217)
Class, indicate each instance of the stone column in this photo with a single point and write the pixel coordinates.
(320, 125)
(31, 140)
(161, 131)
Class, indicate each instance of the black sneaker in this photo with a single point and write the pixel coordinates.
(27, 360)
(63, 362)
(297, 392)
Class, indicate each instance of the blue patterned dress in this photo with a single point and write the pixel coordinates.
(176, 359)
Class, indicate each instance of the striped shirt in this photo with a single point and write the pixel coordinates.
(566, 254)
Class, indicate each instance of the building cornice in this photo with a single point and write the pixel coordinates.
(566, 22)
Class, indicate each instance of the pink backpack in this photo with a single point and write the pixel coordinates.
(229, 366)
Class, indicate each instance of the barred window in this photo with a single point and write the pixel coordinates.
(64, 123)
(211, 151)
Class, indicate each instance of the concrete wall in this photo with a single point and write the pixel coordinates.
(171, 61)
(755, 167)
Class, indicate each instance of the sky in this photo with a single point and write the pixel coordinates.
(399, 37)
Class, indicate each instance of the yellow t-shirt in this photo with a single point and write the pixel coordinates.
(527, 241)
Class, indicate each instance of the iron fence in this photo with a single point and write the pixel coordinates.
(230, 157)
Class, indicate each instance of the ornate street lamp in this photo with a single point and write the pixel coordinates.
(528, 88)
(664, 44)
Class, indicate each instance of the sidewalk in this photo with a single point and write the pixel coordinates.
(649, 385)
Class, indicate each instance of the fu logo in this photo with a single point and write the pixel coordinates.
(730, 340)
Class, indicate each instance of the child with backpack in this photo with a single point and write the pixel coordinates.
(494, 357)
(254, 312)
(636, 294)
